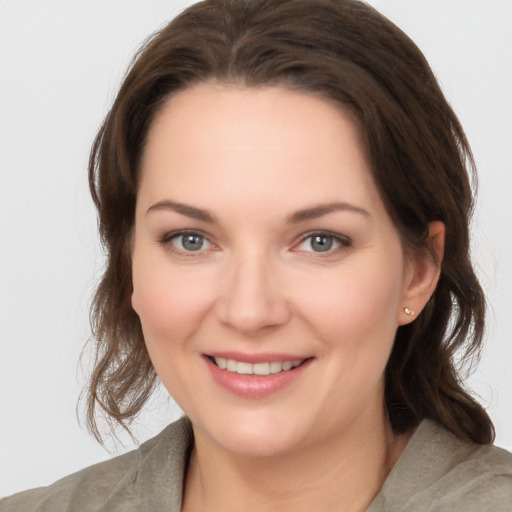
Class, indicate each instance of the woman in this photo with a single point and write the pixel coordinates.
(283, 194)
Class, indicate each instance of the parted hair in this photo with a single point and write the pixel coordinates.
(349, 54)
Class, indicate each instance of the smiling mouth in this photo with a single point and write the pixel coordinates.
(263, 369)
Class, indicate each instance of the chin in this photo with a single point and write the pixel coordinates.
(256, 435)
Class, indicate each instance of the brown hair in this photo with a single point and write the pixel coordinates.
(344, 51)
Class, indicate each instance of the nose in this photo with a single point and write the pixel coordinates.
(251, 300)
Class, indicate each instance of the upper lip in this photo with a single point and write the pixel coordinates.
(244, 357)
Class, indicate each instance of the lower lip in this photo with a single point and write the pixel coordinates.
(255, 386)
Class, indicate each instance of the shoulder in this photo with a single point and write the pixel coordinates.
(79, 491)
(122, 483)
(480, 481)
(439, 472)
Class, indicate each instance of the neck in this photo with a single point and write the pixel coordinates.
(349, 470)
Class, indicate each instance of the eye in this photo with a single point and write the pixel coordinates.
(323, 243)
(187, 242)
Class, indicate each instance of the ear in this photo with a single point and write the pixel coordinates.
(422, 273)
(130, 249)
(134, 302)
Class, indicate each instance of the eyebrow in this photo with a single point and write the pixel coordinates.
(313, 212)
(183, 209)
(323, 209)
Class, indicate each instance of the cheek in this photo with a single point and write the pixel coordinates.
(169, 302)
(357, 303)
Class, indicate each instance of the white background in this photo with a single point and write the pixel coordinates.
(60, 65)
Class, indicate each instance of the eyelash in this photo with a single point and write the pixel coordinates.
(168, 238)
(342, 242)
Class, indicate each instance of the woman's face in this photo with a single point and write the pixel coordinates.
(260, 244)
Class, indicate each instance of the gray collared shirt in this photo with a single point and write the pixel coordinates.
(436, 472)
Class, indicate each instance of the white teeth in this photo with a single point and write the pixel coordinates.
(261, 368)
(266, 368)
(221, 362)
(275, 367)
(244, 368)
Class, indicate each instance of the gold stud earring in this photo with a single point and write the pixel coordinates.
(409, 311)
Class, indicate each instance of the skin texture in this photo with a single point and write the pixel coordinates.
(252, 159)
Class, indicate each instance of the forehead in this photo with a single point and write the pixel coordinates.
(267, 142)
